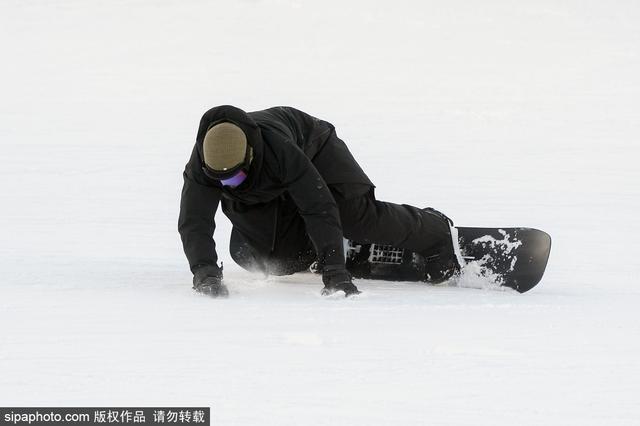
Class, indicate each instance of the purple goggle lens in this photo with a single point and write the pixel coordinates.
(235, 180)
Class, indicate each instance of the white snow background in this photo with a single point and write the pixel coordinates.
(498, 113)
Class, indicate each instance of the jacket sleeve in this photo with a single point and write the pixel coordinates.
(196, 224)
(316, 205)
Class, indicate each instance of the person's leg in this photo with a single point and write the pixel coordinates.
(292, 252)
(424, 231)
(246, 253)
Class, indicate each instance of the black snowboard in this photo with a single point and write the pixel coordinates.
(511, 257)
(517, 256)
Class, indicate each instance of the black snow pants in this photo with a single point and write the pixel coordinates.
(364, 219)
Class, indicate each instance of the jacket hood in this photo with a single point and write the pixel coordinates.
(231, 114)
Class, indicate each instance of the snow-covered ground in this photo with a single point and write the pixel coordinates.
(498, 113)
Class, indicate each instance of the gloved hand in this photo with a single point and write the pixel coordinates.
(207, 280)
(337, 278)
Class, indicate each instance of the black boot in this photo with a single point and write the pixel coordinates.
(441, 268)
(441, 264)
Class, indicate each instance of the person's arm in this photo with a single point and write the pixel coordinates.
(321, 216)
(196, 224)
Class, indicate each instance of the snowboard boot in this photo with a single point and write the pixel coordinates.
(443, 263)
(440, 268)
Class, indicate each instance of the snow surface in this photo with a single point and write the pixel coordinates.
(498, 113)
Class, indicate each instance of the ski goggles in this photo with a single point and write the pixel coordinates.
(234, 180)
(231, 177)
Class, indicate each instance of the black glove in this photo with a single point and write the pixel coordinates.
(207, 280)
(337, 278)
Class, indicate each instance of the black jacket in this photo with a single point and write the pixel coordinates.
(295, 157)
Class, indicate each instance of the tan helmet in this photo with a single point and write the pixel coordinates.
(224, 147)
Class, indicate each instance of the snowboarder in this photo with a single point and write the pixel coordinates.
(292, 191)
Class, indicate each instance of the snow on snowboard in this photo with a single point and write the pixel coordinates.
(508, 257)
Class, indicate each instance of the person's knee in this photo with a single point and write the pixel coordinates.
(244, 254)
(283, 261)
(292, 264)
